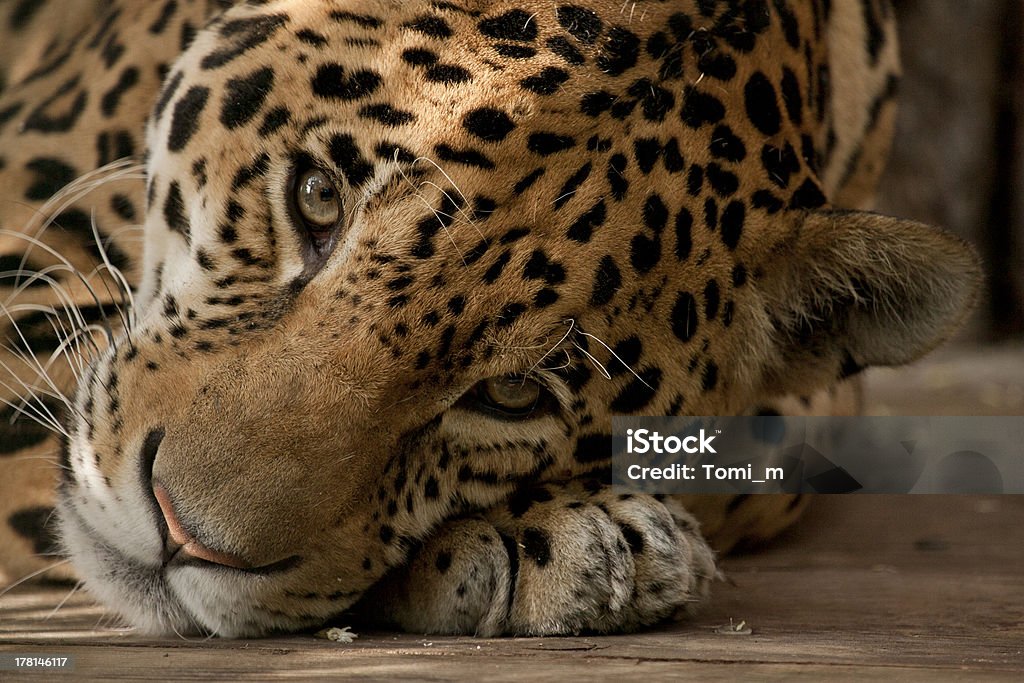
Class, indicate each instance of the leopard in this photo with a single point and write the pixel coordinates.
(321, 309)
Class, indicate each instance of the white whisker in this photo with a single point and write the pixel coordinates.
(572, 326)
(118, 278)
(71, 268)
(52, 252)
(28, 358)
(616, 357)
(469, 219)
(563, 366)
(603, 370)
(41, 420)
(67, 597)
(446, 176)
(50, 458)
(122, 169)
(437, 214)
(34, 574)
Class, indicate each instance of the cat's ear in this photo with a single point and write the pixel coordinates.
(852, 289)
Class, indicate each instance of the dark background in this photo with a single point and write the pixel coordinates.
(958, 156)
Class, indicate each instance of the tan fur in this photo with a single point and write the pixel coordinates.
(321, 422)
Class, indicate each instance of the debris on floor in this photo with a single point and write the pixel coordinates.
(731, 629)
(338, 635)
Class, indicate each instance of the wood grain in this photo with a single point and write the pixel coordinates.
(914, 588)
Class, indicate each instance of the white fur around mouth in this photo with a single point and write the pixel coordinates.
(188, 598)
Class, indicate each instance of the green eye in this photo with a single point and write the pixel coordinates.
(510, 394)
(317, 200)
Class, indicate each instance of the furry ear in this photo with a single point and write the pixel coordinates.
(853, 289)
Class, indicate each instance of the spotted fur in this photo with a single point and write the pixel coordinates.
(649, 208)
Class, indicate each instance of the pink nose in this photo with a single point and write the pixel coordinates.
(189, 545)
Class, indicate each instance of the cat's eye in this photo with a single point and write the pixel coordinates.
(317, 202)
(510, 394)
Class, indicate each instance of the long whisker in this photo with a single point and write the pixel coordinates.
(121, 169)
(40, 414)
(572, 326)
(31, 391)
(469, 219)
(67, 597)
(118, 277)
(446, 176)
(39, 419)
(81, 278)
(563, 366)
(34, 574)
(80, 325)
(29, 359)
(616, 357)
(72, 354)
(113, 272)
(35, 392)
(603, 370)
(67, 347)
(437, 214)
(49, 457)
(34, 366)
(67, 301)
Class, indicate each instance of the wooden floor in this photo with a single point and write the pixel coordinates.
(907, 588)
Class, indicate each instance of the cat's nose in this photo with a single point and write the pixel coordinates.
(186, 541)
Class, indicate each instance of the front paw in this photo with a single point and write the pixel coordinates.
(555, 559)
(593, 560)
(458, 582)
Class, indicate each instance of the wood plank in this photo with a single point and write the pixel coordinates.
(868, 586)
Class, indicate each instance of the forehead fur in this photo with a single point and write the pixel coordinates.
(519, 171)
